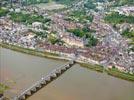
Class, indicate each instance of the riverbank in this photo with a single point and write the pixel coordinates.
(92, 67)
(32, 52)
(3, 88)
(112, 72)
(115, 72)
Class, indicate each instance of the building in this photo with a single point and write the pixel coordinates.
(37, 25)
(73, 41)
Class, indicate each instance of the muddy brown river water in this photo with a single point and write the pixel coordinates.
(20, 71)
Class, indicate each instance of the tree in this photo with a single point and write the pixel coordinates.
(3, 12)
(92, 41)
(77, 32)
(117, 18)
(90, 4)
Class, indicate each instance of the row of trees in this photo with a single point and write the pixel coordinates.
(117, 18)
(27, 18)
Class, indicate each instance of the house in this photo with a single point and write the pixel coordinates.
(37, 25)
(120, 68)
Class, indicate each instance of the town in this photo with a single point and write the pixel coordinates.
(91, 31)
(66, 32)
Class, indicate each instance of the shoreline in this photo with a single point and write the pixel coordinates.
(32, 52)
(112, 72)
(116, 73)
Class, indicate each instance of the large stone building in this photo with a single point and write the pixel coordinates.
(73, 41)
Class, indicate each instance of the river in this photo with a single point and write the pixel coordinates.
(19, 71)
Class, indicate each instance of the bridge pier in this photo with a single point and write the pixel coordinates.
(38, 86)
(68, 66)
(33, 89)
(43, 82)
(29, 93)
(22, 97)
(63, 69)
(53, 75)
(48, 79)
(71, 63)
(58, 71)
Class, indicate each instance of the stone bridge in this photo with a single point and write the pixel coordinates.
(44, 81)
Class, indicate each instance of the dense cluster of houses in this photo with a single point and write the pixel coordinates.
(125, 10)
(109, 52)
